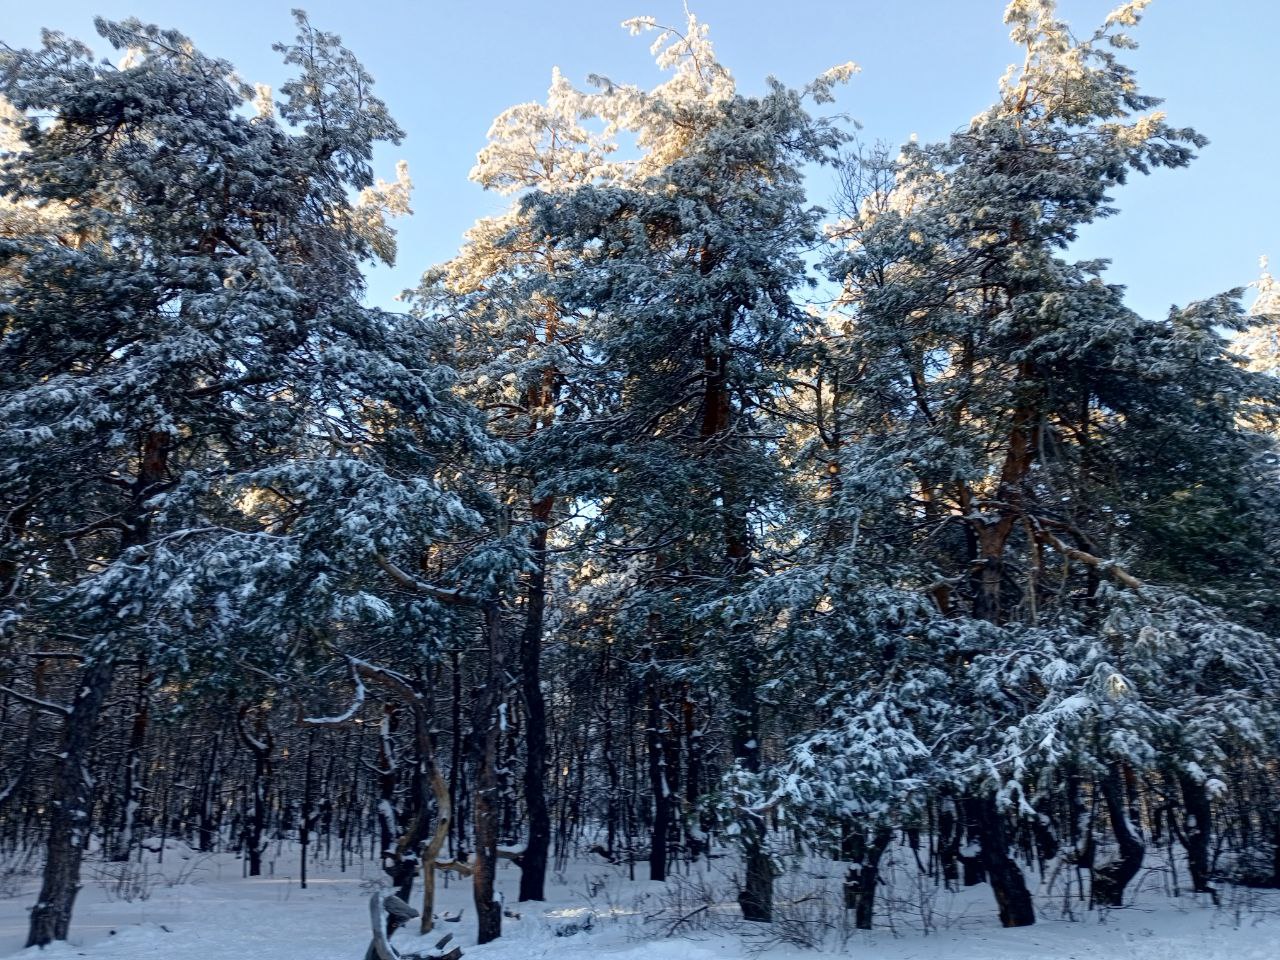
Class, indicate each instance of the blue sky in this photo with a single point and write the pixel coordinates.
(447, 67)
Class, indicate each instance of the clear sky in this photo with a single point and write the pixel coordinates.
(447, 67)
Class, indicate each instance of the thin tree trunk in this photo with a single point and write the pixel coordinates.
(756, 896)
(659, 829)
(693, 778)
(485, 738)
(132, 791)
(533, 861)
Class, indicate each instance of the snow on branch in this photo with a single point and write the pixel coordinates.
(410, 582)
(49, 707)
(357, 701)
(1122, 575)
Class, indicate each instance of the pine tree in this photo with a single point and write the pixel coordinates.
(689, 270)
(519, 356)
(186, 334)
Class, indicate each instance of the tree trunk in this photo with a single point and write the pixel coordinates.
(306, 818)
(256, 813)
(533, 861)
(69, 819)
(971, 859)
(72, 780)
(1197, 826)
(658, 785)
(132, 791)
(485, 738)
(1109, 882)
(863, 874)
(695, 828)
(756, 896)
(1007, 883)
(208, 829)
(948, 840)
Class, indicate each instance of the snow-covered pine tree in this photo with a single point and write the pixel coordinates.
(519, 358)
(1041, 426)
(188, 369)
(688, 268)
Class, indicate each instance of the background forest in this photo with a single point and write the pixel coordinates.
(677, 517)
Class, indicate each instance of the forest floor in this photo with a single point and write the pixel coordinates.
(199, 907)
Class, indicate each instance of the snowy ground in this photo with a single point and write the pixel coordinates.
(195, 907)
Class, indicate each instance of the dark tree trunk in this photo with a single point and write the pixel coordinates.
(208, 828)
(72, 781)
(132, 790)
(1198, 822)
(696, 829)
(613, 812)
(1046, 837)
(533, 862)
(306, 819)
(485, 740)
(260, 744)
(1109, 882)
(970, 854)
(948, 840)
(69, 819)
(756, 896)
(658, 786)
(455, 757)
(1013, 900)
(863, 875)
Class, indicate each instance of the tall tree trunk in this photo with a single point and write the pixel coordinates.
(71, 806)
(485, 739)
(660, 789)
(533, 861)
(455, 754)
(756, 896)
(209, 788)
(695, 829)
(72, 780)
(132, 790)
(306, 820)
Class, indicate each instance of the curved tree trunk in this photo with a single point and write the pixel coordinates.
(1109, 882)
(1196, 833)
(1013, 900)
(72, 780)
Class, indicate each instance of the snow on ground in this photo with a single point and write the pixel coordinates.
(199, 907)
